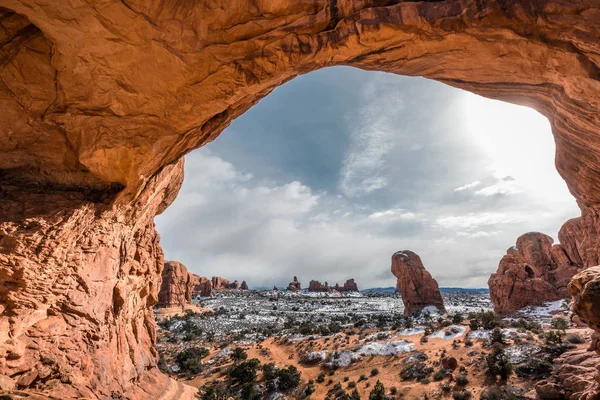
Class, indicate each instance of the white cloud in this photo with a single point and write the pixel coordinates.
(473, 220)
(505, 186)
(467, 186)
(394, 214)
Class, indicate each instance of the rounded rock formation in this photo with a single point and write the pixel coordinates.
(532, 272)
(316, 286)
(415, 284)
(244, 286)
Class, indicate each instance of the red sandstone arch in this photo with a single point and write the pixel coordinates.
(100, 99)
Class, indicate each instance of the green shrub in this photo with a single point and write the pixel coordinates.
(190, 360)
(574, 338)
(244, 372)
(464, 395)
(374, 372)
(462, 380)
(560, 324)
(239, 354)
(498, 363)
(378, 392)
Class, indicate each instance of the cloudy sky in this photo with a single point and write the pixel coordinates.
(336, 170)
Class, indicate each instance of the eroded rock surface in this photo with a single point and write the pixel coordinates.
(415, 283)
(100, 102)
(202, 286)
(534, 271)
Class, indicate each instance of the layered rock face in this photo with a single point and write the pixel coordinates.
(535, 271)
(294, 285)
(78, 282)
(99, 104)
(418, 288)
(177, 286)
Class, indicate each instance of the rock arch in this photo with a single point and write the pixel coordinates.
(101, 100)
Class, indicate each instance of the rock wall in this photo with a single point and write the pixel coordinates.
(415, 283)
(202, 286)
(99, 104)
(78, 282)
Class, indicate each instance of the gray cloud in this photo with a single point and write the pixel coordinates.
(335, 171)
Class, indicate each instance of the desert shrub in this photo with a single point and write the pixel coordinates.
(378, 392)
(213, 392)
(468, 342)
(289, 378)
(239, 354)
(374, 372)
(244, 372)
(425, 381)
(321, 378)
(362, 378)
(310, 389)
(351, 385)
(416, 370)
(496, 336)
(446, 387)
(498, 363)
(464, 395)
(438, 376)
(535, 366)
(462, 380)
(474, 324)
(560, 324)
(554, 337)
(408, 323)
(489, 320)
(574, 338)
(457, 318)
(354, 395)
(393, 390)
(527, 325)
(190, 360)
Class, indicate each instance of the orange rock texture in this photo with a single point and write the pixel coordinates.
(177, 286)
(100, 100)
(534, 271)
(415, 284)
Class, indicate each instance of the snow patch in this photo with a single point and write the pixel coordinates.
(386, 348)
(451, 332)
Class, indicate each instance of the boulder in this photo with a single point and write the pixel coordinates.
(415, 283)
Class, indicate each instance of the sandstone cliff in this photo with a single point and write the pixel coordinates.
(349, 286)
(418, 288)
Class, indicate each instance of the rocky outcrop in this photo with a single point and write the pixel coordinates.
(99, 104)
(349, 286)
(202, 286)
(316, 286)
(418, 288)
(534, 271)
(294, 285)
(244, 286)
(575, 377)
(176, 289)
(219, 283)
